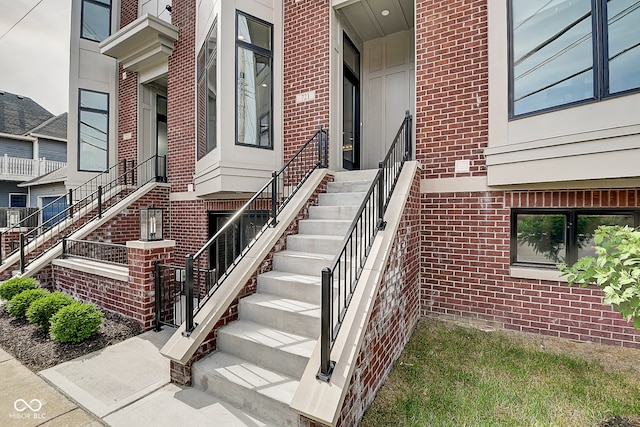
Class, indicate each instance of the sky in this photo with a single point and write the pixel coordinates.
(34, 55)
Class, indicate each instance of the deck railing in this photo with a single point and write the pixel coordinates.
(18, 167)
(340, 279)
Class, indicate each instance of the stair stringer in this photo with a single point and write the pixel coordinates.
(183, 350)
(322, 401)
(56, 251)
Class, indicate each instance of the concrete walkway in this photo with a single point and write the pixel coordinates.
(122, 385)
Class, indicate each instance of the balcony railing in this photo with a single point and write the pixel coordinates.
(25, 169)
(98, 251)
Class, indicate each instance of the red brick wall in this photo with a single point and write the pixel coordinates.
(127, 102)
(306, 68)
(465, 267)
(181, 103)
(126, 225)
(451, 85)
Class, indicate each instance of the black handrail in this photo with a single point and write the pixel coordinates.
(340, 279)
(204, 275)
(93, 191)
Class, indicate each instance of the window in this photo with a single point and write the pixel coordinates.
(547, 237)
(17, 200)
(96, 20)
(93, 135)
(254, 82)
(207, 93)
(564, 52)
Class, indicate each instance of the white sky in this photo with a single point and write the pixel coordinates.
(34, 56)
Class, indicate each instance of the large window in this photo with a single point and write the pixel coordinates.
(207, 93)
(548, 237)
(568, 51)
(96, 20)
(93, 135)
(254, 82)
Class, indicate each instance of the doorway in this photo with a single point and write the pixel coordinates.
(161, 135)
(350, 106)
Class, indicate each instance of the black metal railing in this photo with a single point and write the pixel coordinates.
(340, 279)
(246, 226)
(99, 251)
(84, 203)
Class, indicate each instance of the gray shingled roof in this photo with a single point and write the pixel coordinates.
(55, 127)
(58, 175)
(20, 114)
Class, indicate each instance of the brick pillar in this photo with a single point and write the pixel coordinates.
(142, 258)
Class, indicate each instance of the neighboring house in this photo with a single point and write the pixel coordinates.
(526, 132)
(33, 142)
(48, 192)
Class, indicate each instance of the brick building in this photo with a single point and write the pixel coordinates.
(525, 131)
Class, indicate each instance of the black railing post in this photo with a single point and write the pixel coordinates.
(99, 201)
(71, 203)
(158, 296)
(189, 290)
(320, 148)
(326, 365)
(64, 246)
(274, 198)
(22, 253)
(124, 170)
(407, 135)
(133, 172)
(381, 222)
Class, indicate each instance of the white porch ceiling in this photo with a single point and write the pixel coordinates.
(367, 19)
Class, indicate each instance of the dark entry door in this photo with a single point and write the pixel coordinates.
(351, 106)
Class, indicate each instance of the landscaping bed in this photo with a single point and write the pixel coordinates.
(36, 350)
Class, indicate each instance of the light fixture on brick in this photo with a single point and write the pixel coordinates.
(150, 224)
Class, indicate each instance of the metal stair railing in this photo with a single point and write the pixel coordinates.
(248, 224)
(340, 279)
(84, 203)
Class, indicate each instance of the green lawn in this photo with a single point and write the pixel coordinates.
(457, 376)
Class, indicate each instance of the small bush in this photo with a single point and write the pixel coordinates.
(41, 310)
(15, 285)
(75, 323)
(19, 304)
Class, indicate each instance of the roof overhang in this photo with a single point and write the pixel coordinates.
(143, 45)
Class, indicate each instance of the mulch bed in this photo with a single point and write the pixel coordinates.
(34, 349)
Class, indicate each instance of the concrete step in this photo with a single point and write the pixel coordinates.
(333, 212)
(314, 243)
(291, 285)
(261, 391)
(340, 199)
(267, 347)
(288, 315)
(333, 227)
(348, 186)
(361, 175)
(307, 263)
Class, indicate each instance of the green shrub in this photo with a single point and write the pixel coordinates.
(19, 304)
(40, 311)
(75, 322)
(15, 285)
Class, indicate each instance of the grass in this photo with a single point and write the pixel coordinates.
(457, 376)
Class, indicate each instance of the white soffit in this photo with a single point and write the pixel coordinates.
(143, 44)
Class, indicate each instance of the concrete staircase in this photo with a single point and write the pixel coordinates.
(262, 355)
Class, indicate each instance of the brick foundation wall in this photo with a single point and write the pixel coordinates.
(181, 374)
(465, 267)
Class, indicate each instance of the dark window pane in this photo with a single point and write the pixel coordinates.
(587, 225)
(96, 21)
(93, 131)
(207, 94)
(254, 98)
(18, 200)
(552, 53)
(541, 239)
(623, 19)
(254, 32)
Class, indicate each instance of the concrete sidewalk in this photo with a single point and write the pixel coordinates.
(127, 384)
(27, 400)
